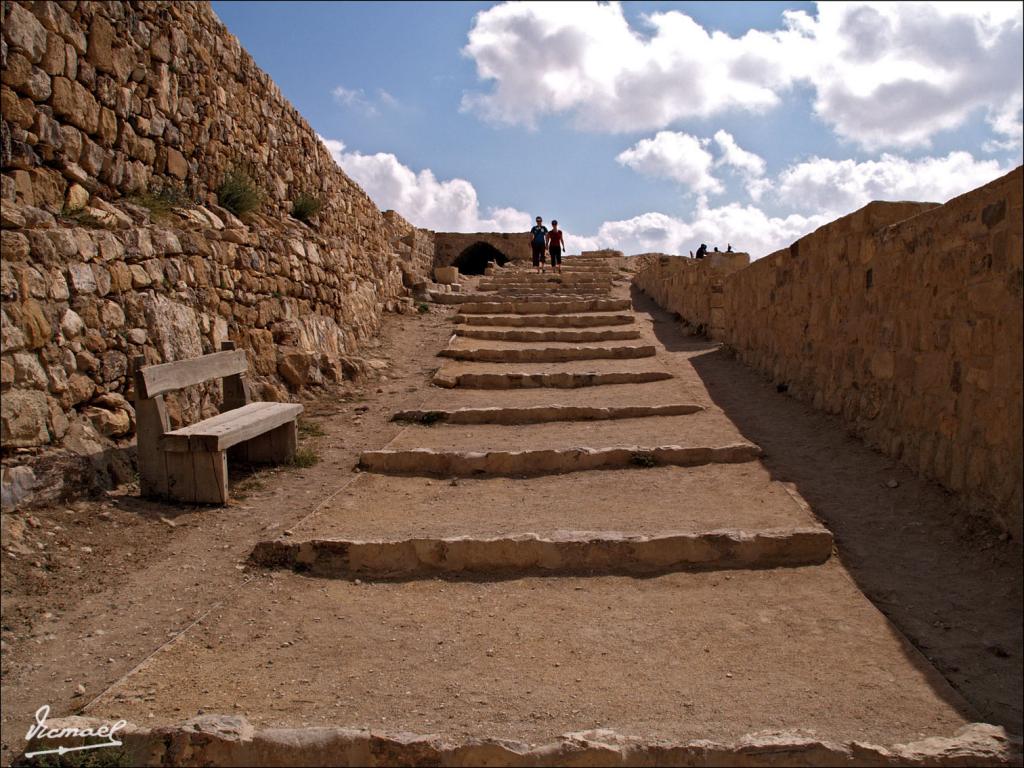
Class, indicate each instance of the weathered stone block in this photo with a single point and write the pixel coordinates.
(23, 418)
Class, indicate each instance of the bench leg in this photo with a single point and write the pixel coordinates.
(200, 477)
(276, 446)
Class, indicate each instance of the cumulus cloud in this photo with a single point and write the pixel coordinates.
(891, 74)
(555, 57)
(357, 99)
(747, 163)
(812, 193)
(840, 186)
(446, 205)
(676, 156)
(746, 227)
(894, 74)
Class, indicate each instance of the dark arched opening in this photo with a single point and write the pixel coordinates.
(474, 260)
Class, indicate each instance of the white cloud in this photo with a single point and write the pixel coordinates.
(890, 74)
(894, 74)
(676, 156)
(838, 187)
(746, 228)
(747, 163)
(447, 206)
(584, 58)
(356, 98)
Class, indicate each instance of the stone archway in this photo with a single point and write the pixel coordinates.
(474, 259)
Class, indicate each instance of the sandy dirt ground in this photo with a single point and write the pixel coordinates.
(138, 609)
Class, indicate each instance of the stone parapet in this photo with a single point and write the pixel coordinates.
(905, 319)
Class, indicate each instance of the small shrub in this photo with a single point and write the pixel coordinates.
(423, 308)
(104, 757)
(430, 417)
(239, 193)
(305, 458)
(644, 460)
(162, 200)
(305, 207)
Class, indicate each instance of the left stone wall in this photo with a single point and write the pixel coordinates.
(105, 104)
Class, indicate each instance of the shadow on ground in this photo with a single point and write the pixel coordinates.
(945, 578)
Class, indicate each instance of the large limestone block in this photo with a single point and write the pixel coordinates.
(446, 275)
(23, 415)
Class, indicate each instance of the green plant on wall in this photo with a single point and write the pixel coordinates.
(305, 207)
(238, 192)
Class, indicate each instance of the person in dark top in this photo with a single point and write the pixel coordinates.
(729, 249)
(555, 244)
(702, 251)
(538, 237)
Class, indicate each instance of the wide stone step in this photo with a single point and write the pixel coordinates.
(675, 500)
(559, 379)
(544, 290)
(672, 668)
(550, 354)
(547, 321)
(567, 554)
(667, 391)
(554, 334)
(544, 307)
(532, 296)
(690, 430)
(539, 414)
(213, 739)
(532, 279)
(441, 463)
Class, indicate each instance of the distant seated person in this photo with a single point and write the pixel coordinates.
(729, 249)
(716, 249)
(702, 251)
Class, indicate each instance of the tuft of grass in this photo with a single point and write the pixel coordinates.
(645, 460)
(423, 308)
(239, 193)
(310, 429)
(162, 200)
(305, 207)
(305, 458)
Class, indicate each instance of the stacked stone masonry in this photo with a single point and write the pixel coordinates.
(905, 319)
(692, 289)
(106, 103)
(450, 246)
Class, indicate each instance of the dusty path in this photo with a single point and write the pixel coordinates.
(949, 582)
(114, 581)
(511, 644)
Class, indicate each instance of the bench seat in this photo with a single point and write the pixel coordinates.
(230, 428)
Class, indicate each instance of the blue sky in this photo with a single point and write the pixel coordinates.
(649, 125)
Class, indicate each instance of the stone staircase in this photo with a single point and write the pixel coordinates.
(569, 537)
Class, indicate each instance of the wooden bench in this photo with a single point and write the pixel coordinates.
(191, 464)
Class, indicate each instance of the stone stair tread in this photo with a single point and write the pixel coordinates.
(686, 655)
(676, 499)
(709, 428)
(589, 320)
(573, 366)
(502, 462)
(650, 393)
(538, 335)
(464, 342)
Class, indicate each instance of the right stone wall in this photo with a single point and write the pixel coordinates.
(906, 320)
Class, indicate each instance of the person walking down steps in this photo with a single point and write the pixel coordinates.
(538, 237)
(555, 245)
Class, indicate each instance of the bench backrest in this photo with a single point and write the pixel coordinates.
(167, 377)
